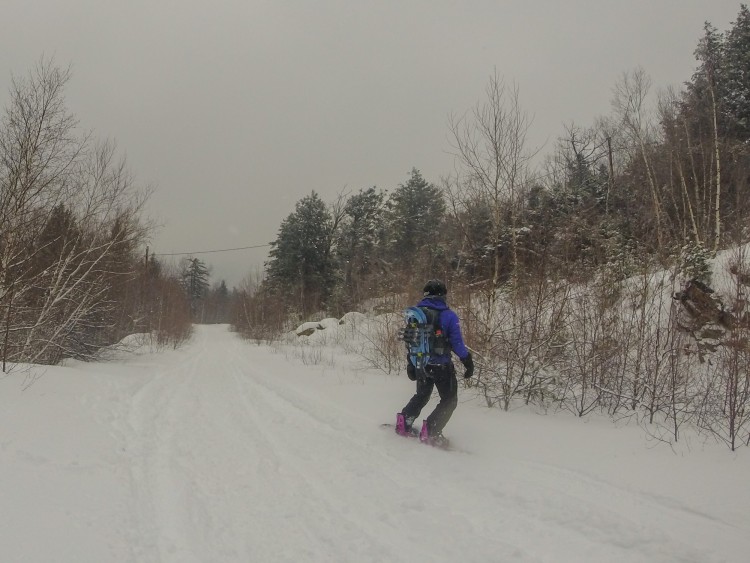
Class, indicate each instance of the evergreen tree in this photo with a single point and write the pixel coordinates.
(57, 238)
(56, 242)
(301, 261)
(475, 227)
(415, 212)
(585, 184)
(195, 276)
(118, 270)
(707, 87)
(357, 242)
(217, 304)
(737, 73)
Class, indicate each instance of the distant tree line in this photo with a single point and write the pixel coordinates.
(208, 304)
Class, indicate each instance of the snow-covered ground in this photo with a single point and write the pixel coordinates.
(228, 451)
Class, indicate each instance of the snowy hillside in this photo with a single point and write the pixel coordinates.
(228, 451)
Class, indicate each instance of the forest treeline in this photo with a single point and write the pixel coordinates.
(664, 177)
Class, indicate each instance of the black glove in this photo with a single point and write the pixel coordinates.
(411, 371)
(468, 363)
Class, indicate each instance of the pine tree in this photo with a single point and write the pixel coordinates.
(301, 263)
(195, 276)
(57, 240)
(58, 237)
(736, 63)
(120, 267)
(707, 87)
(357, 241)
(217, 304)
(415, 212)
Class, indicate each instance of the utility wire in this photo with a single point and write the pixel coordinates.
(209, 251)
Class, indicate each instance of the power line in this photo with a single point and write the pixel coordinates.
(210, 251)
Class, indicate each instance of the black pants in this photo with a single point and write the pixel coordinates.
(442, 377)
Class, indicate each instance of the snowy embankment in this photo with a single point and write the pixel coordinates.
(228, 451)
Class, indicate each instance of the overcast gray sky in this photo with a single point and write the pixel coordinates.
(235, 109)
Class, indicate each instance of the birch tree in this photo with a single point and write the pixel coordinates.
(630, 104)
(69, 225)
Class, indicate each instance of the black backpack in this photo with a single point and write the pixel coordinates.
(423, 336)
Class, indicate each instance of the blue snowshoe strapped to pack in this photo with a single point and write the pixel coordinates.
(422, 336)
(416, 336)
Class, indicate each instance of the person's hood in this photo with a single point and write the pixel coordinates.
(437, 303)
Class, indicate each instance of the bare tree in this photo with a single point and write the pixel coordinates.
(629, 101)
(492, 160)
(69, 227)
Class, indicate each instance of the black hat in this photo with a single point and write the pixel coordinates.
(435, 288)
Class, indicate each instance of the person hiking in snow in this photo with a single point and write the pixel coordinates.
(439, 372)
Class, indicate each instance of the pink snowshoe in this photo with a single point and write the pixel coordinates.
(436, 439)
(404, 426)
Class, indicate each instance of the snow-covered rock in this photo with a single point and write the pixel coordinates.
(353, 318)
(306, 329)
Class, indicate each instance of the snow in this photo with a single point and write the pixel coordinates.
(227, 451)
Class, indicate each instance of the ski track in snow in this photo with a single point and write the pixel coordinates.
(226, 459)
(225, 434)
(266, 482)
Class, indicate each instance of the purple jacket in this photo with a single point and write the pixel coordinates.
(451, 328)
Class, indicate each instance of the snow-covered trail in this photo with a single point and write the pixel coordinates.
(227, 451)
(231, 463)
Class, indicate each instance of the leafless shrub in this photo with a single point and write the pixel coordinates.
(589, 353)
(382, 349)
(257, 314)
(518, 342)
(725, 407)
(171, 322)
